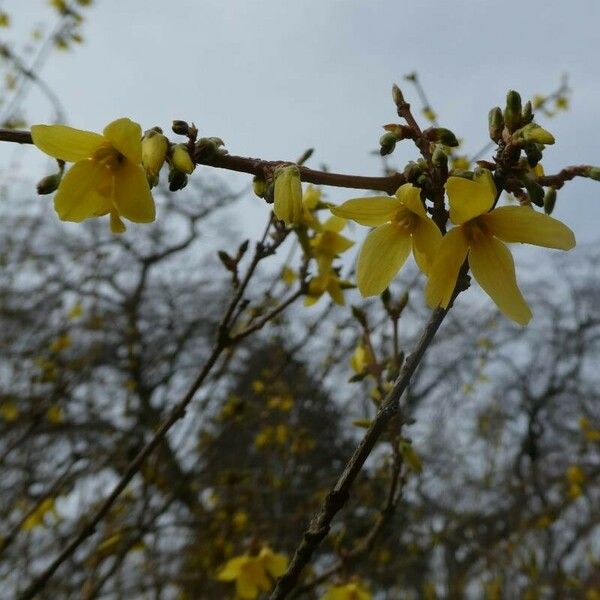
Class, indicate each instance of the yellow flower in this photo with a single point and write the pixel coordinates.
(288, 205)
(478, 236)
(154, 152)
(181, 159)
(329, 242)
(326, 281)
(350, 591)
(107, 177)
(250, 572)
(401, 224)
(361, 359)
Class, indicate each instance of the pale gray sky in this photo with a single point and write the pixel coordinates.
(274, 77)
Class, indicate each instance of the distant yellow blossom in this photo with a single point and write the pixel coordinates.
(107, 177)
(401, 223)
(349, 591)
(478, 236)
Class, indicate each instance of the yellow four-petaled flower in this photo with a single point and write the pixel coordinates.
(479, 235)
(107, 177)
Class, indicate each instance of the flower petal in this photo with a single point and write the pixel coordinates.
(232, 569)
(492, 265)
(65, 143)
(426, 241)
(372, 211)
(126, 137)
(410, 196)
(443, 274)
(77, 197)
(131, 194)
(383, 252)
(523, 224)
(334, 224)
(469, 199)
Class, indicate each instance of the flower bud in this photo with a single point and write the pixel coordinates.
(49, 184)
(527, 115)
(533, 133)
(397, 96)
(288, 195)
(441, 135)
(180, 127)
(177, 179)
(181, 160)
(496, 123)
(154, 152)
(512, 112)
(549, 200)
(260, 186)
(533, 153)
(534, 190)
(594, 173)
(387, 142)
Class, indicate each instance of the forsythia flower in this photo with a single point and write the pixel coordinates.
(329, 242)
(288, 195)
(478, 236)
(154, 152)
(107, 177)
(350, 591)
(401, 224)
(250, 572)
(326, 281)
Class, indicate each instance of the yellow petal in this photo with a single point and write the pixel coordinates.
(77, 197)
(492, 265)
(275, 563)
(468, 199)
(116, 224)
(232, 568)
(65, 143)
(522, 224)
(410, 196)
(334, 224)
(246, 588)
(132, 195)
(126, 137)
(337, 295)
(383, 252)
(426, 241)
(372, 211)
(443, 274)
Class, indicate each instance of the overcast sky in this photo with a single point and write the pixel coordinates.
(273, 77)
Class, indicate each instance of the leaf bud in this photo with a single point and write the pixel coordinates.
(441, 135)
(49, 184)
(594, 173)
(549, 200)
(533, 133)
(513, 111)
(397, 96)
(181, 160)
(177, 179)
(527, 115)
(533, 153)
(180, 127)
(387, 142)
(439, 157)
(259, 185)
(412, 171)
(208, 148)
(496, 123)
(534, 190)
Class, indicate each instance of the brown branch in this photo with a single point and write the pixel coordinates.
(337, 497)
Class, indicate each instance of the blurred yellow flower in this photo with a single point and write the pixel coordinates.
(478, 236)
(401, 223)
(107, 177)
(251, 573)
(349, 591)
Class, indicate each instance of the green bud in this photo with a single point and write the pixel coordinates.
(387, 142)
(181, 160)
(549, 200)
(260, 186)
(441, 135)
(49, 184)
(397, 96)
(180, 127)
(439, 157)
(594, 173)
(412, 171)
(534, 190)
(208, 148)
(512, 112)
(533, 133)
(496, 123)
(533, 153)
(177, 179)
(527, 115)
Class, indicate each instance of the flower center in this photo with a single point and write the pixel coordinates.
(404, 219)
(475, 230)
(108, 157)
